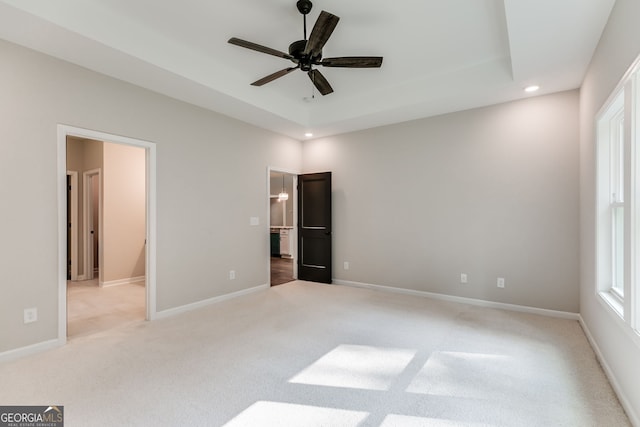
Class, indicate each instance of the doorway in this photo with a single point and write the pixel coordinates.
(115, 295)
(282, 216)
(105, 283)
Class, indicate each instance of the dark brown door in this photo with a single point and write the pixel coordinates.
(314, 227)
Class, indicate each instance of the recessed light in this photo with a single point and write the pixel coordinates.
(531, 88)
(308, 134)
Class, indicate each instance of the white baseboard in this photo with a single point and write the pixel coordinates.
(127, 281)
(48, 345)
(463, 300)
(193, 306)
(29, 350)
(624, 401)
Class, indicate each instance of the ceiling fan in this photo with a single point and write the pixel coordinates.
(307, 53)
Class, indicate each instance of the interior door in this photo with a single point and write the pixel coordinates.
(314, 227)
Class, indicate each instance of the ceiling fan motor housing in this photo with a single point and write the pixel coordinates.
(296, 49)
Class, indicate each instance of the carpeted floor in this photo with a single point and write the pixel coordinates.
(304, 354)
(91, 308)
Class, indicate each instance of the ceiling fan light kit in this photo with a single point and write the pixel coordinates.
(307, 54)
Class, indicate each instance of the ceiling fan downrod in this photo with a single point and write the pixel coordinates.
(304, 7)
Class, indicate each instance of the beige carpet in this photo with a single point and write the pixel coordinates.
(91, 308)
(304, 354)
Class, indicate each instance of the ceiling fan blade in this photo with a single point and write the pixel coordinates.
(320, 82)
(353, 62)
(321, 32)
(272, 77)
(259, 48)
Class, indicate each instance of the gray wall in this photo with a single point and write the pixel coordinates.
(490, 192)
(618, 48)
(203, 227)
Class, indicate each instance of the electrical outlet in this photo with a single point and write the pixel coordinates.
(30, 315)
(463, 278)
(232, 274)
(346, 265)
(254, 220)
(501, 282)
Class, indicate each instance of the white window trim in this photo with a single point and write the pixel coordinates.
(632, 128)
(607, 198)
(625, 308)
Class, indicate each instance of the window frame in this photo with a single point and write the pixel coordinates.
(617, 149)
(610, 180)
(619, 116)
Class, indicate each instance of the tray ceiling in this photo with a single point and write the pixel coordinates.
(439, 56)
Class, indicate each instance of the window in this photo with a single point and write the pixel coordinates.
(611, 202)
(618, 200)
(616, 148)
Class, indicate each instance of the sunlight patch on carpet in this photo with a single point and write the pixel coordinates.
(278, 414)
(357, 366)
(471, 375)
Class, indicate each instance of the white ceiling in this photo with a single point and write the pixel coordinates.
(439, 56)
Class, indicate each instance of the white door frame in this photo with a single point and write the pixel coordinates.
(150, 277)
(74, 224)
(87, 214)
(294, 233)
